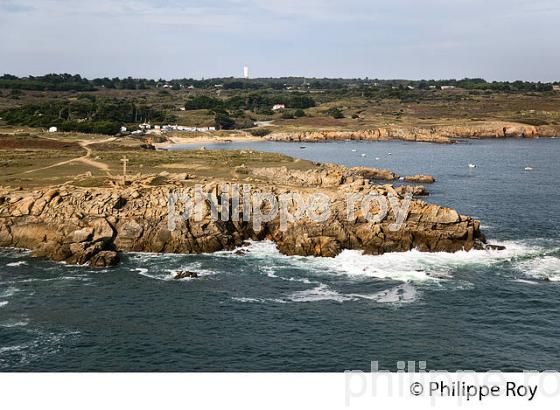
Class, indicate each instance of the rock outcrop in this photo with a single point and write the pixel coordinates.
(444, 134)
(92, 225)
(423, 179)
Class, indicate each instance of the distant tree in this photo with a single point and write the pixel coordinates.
(223, 121)
(288, 115)
(202, 102)
(335, 113)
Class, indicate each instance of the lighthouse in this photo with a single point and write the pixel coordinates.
(246, 72)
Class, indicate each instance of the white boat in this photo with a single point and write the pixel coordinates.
(528, 168)
(363, 155)
(472, 166)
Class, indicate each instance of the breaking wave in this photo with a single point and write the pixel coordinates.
(18, 263)
(169, 274)
(319, 293)
(546, 267)
(412, 266)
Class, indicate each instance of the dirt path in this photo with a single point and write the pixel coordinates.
(84, 159)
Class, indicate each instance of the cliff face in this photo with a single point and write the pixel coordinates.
(437, 134)
(91, 225)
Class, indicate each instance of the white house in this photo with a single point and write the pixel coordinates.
(447, 87)
(123, 129)
(145, 126)
(556, 87)
(53, 129)
(277, 107)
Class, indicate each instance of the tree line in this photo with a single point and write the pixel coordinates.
(69, 82)
(85, 114)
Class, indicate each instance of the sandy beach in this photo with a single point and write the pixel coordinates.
(207, 139)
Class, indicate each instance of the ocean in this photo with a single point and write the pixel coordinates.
(479, 310)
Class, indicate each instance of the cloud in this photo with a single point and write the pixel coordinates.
(377, 38)
(12, 7)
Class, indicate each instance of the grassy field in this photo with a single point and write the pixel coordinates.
(30, 159)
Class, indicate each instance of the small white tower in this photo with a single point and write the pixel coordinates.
(246, 72)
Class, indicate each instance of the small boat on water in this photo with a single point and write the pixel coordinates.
(472, 166)
(528, 168)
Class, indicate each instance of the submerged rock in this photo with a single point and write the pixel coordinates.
(185, 274)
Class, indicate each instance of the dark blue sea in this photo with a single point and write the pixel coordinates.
(479, 310)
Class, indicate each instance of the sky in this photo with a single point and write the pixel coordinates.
(388, 39)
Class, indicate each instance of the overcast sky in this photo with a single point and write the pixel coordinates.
(413, 39)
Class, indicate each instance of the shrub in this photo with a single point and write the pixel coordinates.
(223, 121)
(203, 102)
(260, 132)
(335, 113)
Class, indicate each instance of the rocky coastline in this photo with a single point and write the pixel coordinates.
(444, 134)
(92, 226)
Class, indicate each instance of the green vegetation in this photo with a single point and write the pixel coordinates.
(73, 103)
(84, 114)
(223, 121)
(252, 102)
(335, 113)
(50, 82)
(260, 132)
(68, 82)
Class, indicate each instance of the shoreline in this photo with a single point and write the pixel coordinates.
(210, 139)
(446, 134)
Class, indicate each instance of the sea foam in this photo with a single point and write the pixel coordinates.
(411, 266)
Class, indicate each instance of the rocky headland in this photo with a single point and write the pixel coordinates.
(93, 225)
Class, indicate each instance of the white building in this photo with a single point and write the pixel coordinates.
(277, 107)
(246, 72)
(53, 129)
(556, 87)
(447, 87)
